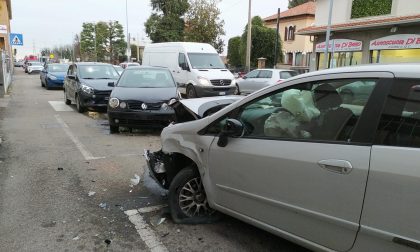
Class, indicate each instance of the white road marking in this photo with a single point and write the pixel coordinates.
(60, 106)
(82, 148)
(146, 233)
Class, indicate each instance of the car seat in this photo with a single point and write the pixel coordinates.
(335, 122)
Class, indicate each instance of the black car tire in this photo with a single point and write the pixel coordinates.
(113, 129)
(79, 106)
(46, 85)
(184, 177)
(237, 90)
(66, 100)
(191, 92)
(42, 83)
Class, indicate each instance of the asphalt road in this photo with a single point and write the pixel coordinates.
(65, 185)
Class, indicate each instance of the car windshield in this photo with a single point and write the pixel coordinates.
(206, 61)
(287, 74)
(146, 78)
(98, 72)
(58, 68)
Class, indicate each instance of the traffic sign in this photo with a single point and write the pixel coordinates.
(16, 39)
(52, 56)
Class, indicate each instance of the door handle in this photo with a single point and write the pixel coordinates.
(337, 166)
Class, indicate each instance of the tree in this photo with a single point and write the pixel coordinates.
(294, 3)
(166, 22)
(101, 35)
(116, 41)
(234, 54)
(263, 41)
(76, 47)
(203, 23)
(87, 42)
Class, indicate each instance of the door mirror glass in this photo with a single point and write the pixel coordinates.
(232, 128)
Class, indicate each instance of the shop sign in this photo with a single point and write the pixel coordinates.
(3, 29)
(341, 45)
(393, 42)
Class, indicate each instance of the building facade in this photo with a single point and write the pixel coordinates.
(392, 37)
(5, 17)
(297, 50)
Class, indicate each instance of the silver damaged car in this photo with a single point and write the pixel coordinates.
(328, 160)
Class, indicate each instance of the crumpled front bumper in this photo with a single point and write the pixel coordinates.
(157, 162)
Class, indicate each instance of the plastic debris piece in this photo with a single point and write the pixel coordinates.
(91, 193)
(130, 190)
(164, 235)
(135, 181)
(60, 168)
(108, 241)
(103, 205)
(178, 230)
(162, 220)
(76, 238)
(104, 190)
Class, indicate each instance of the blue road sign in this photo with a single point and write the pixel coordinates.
(16, 39)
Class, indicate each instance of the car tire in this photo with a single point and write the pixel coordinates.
(191, 92)
(79, 106)
(46, 85)
(186, 181)
(66, 100)
(42, 83)
(114, 129)
(237, 91)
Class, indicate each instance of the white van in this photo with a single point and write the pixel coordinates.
(196, 67)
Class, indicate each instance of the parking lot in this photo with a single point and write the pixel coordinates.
(66, 184)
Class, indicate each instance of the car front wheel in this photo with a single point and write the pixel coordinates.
(79, 106)
(191, 92)
(114, 129)
(188, 200)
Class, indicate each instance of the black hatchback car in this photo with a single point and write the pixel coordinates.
(142, 98)
(87, 85)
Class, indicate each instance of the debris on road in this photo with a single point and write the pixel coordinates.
(103, 205)
(161, 220)
(91, 193)
(108, 242)
(76, 238)
(60, 168)
(135, 181)
(178, 230)
(164, 235)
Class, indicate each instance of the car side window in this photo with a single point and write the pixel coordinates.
(182, 61)
(265, 74)
(253, 74)
(400, 120)
(70, 70)
(311, 111)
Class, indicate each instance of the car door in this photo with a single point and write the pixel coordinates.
(306, 177)
(390, 220)
(180, 72)
(247, 82)
(263, 80)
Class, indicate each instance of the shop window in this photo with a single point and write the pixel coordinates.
(395, 56)
(363, 8)
(340, 59)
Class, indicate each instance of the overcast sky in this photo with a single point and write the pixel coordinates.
(47, 23)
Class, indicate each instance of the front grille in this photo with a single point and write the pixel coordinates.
(136, 105)
(100, 92)
(221, 82)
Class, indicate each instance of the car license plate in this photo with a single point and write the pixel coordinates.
(222, 93)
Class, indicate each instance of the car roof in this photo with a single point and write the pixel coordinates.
(147, 67)
(92, 64)
(277, 69)
(401, 70)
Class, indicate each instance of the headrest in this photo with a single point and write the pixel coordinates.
(300, 104)
(327, 97)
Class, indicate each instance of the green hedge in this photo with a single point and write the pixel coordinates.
(367, 8)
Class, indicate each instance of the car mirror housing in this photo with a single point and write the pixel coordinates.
(232, 128)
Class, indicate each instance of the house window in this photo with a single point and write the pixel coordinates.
(291, 32)
(363, 8)
(286, 33)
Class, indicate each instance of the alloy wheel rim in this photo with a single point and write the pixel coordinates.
(193, 200)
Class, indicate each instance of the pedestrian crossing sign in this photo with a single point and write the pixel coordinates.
(16, 39)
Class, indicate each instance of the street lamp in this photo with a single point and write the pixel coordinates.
(327, 39)
(128, 35)
(248, 40)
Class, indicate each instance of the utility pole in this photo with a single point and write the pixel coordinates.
(96, 51)
(128, 35)
(327, 39)
(248, 40)
(276, 48)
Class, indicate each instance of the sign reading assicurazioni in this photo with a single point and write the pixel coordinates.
(393, 42)
(340, 45)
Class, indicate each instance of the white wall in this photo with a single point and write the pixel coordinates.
(405, 7)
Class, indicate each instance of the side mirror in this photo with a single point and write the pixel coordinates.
(233, 128)
(111, 84)
(185, 67)
(71, 77)
(244, 77)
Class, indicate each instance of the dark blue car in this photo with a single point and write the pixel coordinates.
(53, 75)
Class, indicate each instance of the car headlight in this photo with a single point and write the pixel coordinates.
(203, 81)
(164, 106)
(52, 77)
(233, 82)
(114, 102)
(172, 101)
(87, 89)
(123, 105)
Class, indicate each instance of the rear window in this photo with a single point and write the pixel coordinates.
(287, 74)
(400, 120)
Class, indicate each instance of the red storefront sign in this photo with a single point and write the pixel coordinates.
(393, 42)
(341, 45)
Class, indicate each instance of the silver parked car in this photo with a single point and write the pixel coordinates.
(260, 78)
(302, 162)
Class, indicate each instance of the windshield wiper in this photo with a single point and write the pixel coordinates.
(104, 78)
(88, 78)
